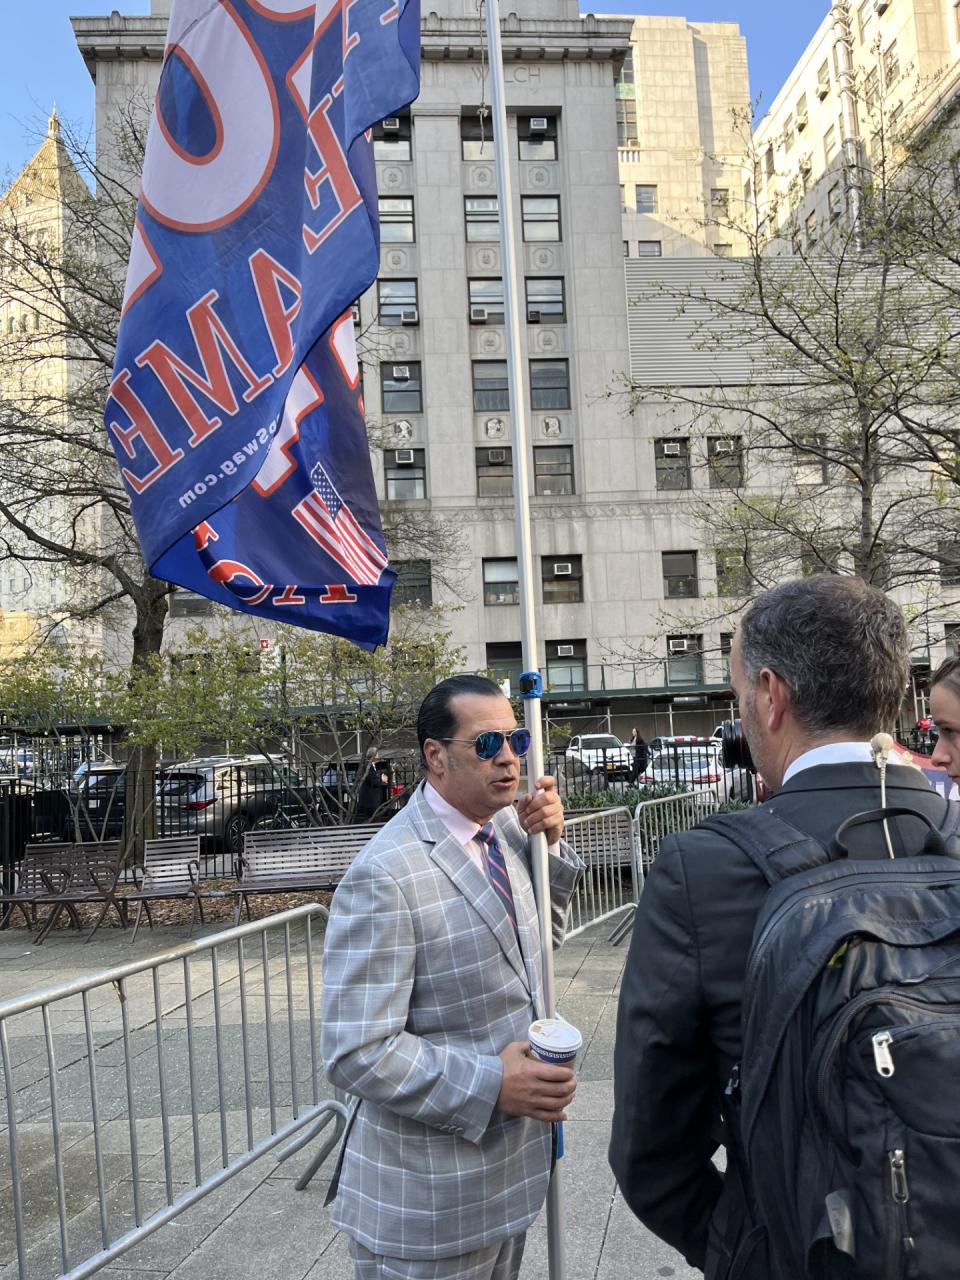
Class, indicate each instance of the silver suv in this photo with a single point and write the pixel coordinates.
(221, 797)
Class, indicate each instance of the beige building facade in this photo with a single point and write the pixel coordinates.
(683, 128)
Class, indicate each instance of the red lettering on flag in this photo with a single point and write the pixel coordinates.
(268, 276)
(204, 534)
(337, 593)
(143, 428)
(212, 338)
(333, 170)
(290, 596)
(226, 570)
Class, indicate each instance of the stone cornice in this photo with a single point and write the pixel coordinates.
(115, 37)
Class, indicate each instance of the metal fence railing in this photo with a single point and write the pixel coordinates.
(606, 842)
(130, 1094)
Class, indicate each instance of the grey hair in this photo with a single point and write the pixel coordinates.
(840, 646)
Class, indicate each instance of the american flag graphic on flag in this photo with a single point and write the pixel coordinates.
(329, 521)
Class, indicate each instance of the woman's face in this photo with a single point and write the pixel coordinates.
(945, 708)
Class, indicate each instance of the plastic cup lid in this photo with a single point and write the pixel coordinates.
(556, 1034)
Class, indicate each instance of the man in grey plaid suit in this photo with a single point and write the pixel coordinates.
(432, 976)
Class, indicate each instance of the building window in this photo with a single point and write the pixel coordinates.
(392, 138)
(809, 467)
(627, 121)
(494, 473)
(725, 460)
(501, 583)
(505, 662)
(649, 249)
(405, 472)
(747, 193)
(553, 470)
(541, 217)
(549, 384)
(723, 250)
(396, 219)
(482, 218)
(623, 199)
(830, 144)
(949, 556)
(490, 389)
(400, 388)
(545, 300)
(679, 575)
(537, 137)
(865, 17)
(732, 574)
(951, 639)
(647, 200)
(811, 228)
(486, 301)
(955, 161)
(672, 463)
(684, 660)
(397, 302)
(823, 79)
(626, 248)
(414, 585)
(896, 114)
(562, 578)
(626, 71)
(476, 136)
(768, 162)
(726, 644)
(891, 65)
(835, 201)
(871, 90)
(719, 201)
(187, 604)
(788, 134)
(801, 113)
(566, 665)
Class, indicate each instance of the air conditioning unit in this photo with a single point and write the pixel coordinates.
(880, 6)
(404, 457)
(671, 448)
(391, 124)
(533, 315)
(724, 446)
(538, 124)
(401, 373)
(564, 650)
(496, 457)
(355, 312)
(801, 121)
(478, 314)
(562, 569)
(823, 88)
(805, 165)
(679, 646)
(410, 315)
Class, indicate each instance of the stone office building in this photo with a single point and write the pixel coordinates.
(433, 338)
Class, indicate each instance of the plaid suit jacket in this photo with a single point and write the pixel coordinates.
(424, 984)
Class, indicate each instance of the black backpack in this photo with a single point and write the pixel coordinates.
(844, 1113)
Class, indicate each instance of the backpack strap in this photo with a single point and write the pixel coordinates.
(775, 848)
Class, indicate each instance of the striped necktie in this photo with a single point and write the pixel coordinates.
(497, 870)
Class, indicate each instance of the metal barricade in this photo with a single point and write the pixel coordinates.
(606, 841)
(132, 1093)
(653, 820)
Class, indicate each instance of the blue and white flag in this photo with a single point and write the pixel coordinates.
(236, 409)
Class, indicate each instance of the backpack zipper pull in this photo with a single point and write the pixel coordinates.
(882, 1055)
(898, 1176)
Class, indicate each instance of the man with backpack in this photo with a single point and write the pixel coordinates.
(792, 991)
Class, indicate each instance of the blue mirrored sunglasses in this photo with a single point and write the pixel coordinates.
(489, 744)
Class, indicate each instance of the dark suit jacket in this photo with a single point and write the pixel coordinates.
(678, 1027)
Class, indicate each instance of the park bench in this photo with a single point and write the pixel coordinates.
(33, 881)
(83, 874)
(297, 861)
(171, 869)
(607, 844)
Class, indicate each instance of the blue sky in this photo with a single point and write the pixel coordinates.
(40, 65)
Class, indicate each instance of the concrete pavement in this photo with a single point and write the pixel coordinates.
(257, 1224)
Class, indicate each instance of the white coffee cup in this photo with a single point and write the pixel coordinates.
(554, 1040)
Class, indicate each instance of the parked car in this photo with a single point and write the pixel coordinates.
(695, 766)
(221, 797)
(603, 755)
(99, 797)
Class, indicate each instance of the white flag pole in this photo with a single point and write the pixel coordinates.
(528, 625)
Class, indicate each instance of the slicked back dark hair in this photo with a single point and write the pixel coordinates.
(435, 719)
(839, 644)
